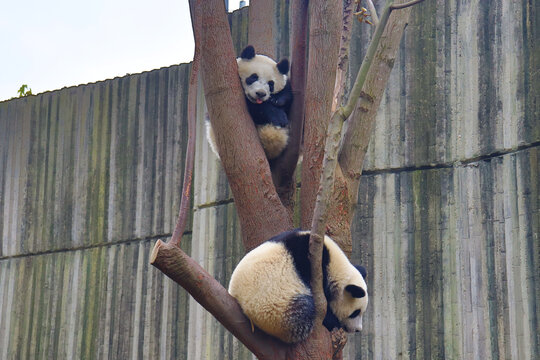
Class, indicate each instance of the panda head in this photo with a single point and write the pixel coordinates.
(348, 296)
(353, 303)
(261, 76)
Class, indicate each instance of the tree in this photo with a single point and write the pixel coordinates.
(263, 191)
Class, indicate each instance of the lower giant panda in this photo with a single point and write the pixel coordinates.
(272, 285)
(268, 97)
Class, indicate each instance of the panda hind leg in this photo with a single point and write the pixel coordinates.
(273, 139)
(300, 317)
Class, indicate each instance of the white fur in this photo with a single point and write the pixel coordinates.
(265, 282)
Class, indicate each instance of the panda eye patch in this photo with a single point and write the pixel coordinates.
(354, 314)
(271, 86)
(252, 78)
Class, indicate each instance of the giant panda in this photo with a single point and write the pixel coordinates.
(272, 285)
(268, 97)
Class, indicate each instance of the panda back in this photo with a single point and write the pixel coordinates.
(271, 294)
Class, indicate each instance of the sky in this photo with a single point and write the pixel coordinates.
(49, 45)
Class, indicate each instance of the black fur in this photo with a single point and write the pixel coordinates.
(248, 53)
(301, 312)
(331, 321)
(283, 66)
(362, 270)
(275, 110)
(298, 246)
(355, 291)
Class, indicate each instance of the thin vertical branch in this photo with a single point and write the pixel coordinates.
(283, 168)
(185, 202)
(343, 57)
(318, 226)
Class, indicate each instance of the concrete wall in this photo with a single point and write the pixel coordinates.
(447, 223)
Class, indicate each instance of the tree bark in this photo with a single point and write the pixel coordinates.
(262, 27)
(364, 99)
(324, 40)
(356, 139)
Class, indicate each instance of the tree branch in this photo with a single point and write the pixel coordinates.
(405, 5)
(368, 92)
(325, 33)
(375, 69)
(318, 227)
(343, 57)
(185, 203)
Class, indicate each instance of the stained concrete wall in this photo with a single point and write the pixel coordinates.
(447, 223)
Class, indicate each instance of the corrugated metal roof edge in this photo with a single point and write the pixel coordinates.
(94, 82)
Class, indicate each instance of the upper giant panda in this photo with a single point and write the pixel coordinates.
(272, 286)
(268, 96)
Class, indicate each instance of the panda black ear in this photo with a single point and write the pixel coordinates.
(356, 291)
(248, 53)
(283, 66)
(362, 270)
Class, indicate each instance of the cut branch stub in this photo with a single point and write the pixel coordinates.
(208, 292)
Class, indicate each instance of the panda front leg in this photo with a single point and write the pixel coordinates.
(277, 116)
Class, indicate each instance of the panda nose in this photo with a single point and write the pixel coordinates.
(260, 94)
